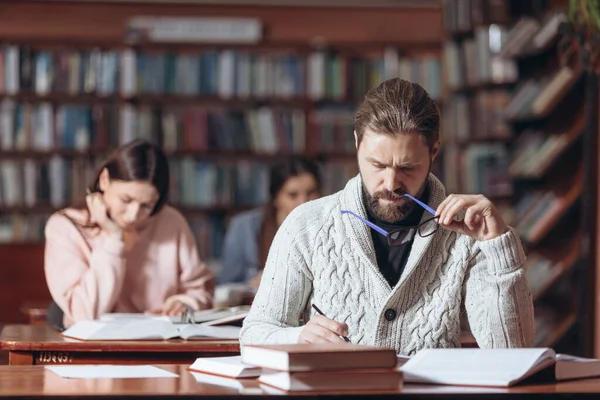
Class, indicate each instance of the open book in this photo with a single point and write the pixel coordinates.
(215, 316)
(149, 329)
(493, 367)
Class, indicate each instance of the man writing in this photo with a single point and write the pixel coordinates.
(391, 260)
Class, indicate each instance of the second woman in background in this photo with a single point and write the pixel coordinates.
(292, 182)
(127, 250)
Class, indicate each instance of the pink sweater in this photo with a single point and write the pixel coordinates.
(90, 273)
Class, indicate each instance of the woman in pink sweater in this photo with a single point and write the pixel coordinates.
(127, 251)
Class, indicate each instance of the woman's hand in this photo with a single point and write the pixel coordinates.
(172, 307)
(99, 215)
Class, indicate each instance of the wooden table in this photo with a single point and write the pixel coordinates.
(35, 381)
(40, 344)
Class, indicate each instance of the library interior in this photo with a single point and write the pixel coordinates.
(219, 123)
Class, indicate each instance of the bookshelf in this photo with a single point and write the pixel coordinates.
(547, 113)
(476, 134)
(520, 134)
(220, 152)
(72, 88)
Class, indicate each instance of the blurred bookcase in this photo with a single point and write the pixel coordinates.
(515, 131)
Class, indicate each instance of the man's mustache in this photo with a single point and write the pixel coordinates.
(387, 195)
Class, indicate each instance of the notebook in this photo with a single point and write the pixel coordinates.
(231, 367)
(347, 380)
(147, 330)
(493, 367)
(312, 357)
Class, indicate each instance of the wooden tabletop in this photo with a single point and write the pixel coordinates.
(36, 381)
(44, 338)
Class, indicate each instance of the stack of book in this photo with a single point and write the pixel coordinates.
(305, 367)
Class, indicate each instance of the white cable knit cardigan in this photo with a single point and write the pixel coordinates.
(323, 257)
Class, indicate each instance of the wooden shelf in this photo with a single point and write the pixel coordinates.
(40, 154)
(571, 136)
(483, 86)
(179, 100)
(568, 199)
(578, 73)
(479, 140)
(215, 155)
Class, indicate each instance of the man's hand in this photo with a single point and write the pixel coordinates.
(482, 219)
(320, 329)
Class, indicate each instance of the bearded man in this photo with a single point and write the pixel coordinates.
(391, 260)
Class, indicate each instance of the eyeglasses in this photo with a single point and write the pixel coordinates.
(399, 236)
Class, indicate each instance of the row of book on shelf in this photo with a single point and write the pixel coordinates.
(489, 114)
(223, 73)
(59, 181)
(530, 156)
(29, 187)
(489, 56)
(43, 127)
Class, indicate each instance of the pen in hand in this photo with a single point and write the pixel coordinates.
(321, 313)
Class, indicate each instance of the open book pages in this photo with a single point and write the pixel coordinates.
(313, 357)
(477, 367)
(146, 330)
(347, 380)
(133, 316)
(232, 367)
(215, 316)
(492, 367)
(221, 316)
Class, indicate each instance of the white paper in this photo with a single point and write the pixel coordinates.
(110, 371)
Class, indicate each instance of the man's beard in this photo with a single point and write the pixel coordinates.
(390, 212)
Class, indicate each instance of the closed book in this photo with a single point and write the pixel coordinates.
(343, 380)
(314, 357)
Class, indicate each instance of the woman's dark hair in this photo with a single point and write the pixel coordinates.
(279, 175)
(138, 160)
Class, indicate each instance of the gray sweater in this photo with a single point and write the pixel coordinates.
(323, 257)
